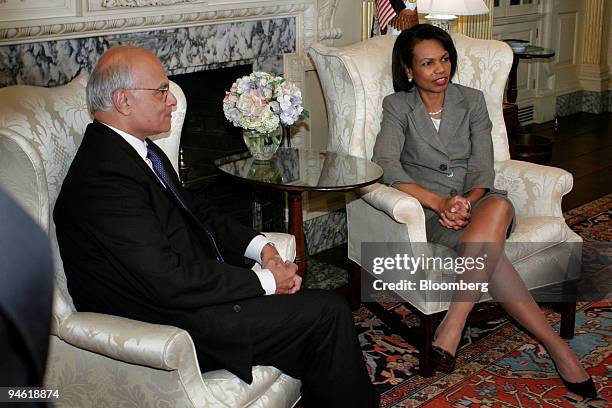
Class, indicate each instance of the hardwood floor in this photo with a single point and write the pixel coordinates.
(582, 146)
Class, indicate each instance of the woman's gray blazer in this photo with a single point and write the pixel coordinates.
(458, 158)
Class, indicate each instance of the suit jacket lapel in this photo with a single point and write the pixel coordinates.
(129, 150)
(172, 174)
(453, 114)
(422, 123)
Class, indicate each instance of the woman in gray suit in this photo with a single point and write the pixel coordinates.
(435, 144)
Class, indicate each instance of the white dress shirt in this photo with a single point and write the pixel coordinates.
(253, 250)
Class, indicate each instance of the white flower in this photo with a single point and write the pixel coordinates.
(251, 104)
(284, 101)
(262, 101)
(242, 85)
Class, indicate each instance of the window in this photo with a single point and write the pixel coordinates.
(506, 8)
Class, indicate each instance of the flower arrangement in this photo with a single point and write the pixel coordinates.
(262, 101)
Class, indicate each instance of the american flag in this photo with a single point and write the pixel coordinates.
(384, 12)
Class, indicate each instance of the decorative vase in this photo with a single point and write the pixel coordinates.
(262, 146)
(265, 171)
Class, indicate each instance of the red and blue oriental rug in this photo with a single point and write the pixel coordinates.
(498, 364)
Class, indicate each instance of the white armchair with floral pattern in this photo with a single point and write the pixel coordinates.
(98, 360)
(356, 78)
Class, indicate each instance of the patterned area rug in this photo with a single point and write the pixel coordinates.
(592, 221)
(498, 365)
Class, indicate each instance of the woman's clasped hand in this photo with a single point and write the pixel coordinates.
(454, 212)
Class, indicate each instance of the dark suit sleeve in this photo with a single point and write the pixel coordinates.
(118, 215)
(480, 172)
(232, 237)
(390, 143)
(398, 5)
(26, 288)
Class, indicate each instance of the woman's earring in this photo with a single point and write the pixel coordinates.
(409, 79)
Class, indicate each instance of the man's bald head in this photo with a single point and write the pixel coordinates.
(129, 90)
(114, 70)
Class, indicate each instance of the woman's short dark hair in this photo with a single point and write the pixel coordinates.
(403, 52)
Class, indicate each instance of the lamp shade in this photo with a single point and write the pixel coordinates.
(456, 7)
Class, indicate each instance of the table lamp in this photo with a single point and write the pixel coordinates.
(443, 12)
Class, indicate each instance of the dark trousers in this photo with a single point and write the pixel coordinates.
(311, 336)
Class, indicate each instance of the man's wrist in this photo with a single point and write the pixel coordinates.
(268, 251)
(255, 248)
(267, 281)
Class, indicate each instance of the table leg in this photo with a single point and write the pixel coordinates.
(296, 228)
(512, 91)
(513, 126)
(510, 107)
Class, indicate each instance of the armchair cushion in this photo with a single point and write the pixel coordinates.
(532, 235)
(534, 190)
(484, 65)
(353, 100)
(46, 126)
(270, 388)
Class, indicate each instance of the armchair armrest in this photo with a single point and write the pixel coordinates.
(284, 243)
(153, 345)
(383, 214)
(535, 190)
(379, 213)
(400, 206)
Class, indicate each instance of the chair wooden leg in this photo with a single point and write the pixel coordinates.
(568, 319)
(428, 327)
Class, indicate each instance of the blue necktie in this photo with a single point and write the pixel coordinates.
(162, 173)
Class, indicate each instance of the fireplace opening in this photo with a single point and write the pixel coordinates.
(206, 136)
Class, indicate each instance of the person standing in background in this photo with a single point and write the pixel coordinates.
(395, 16)
(26, 288)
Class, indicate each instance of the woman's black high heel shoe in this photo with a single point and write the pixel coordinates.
(586, 388)
(443, 360)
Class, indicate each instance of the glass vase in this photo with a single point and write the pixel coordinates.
(262, 146)
(265, 171)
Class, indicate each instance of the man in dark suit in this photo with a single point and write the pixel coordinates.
(26, 286)
(395, 16)
(135, 244)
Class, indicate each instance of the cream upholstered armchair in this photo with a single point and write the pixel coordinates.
(355, 80)
(102, 360)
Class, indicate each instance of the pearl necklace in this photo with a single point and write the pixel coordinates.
(436, 112)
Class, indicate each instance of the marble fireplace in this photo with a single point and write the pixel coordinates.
(48, 42)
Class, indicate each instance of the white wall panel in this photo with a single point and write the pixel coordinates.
(526, 68)
(32, 9)
(566, 33)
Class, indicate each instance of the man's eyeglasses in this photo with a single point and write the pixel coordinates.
(163, 91)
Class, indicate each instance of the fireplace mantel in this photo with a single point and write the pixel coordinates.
(35, 28)
(25, 21)
(47, 42)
